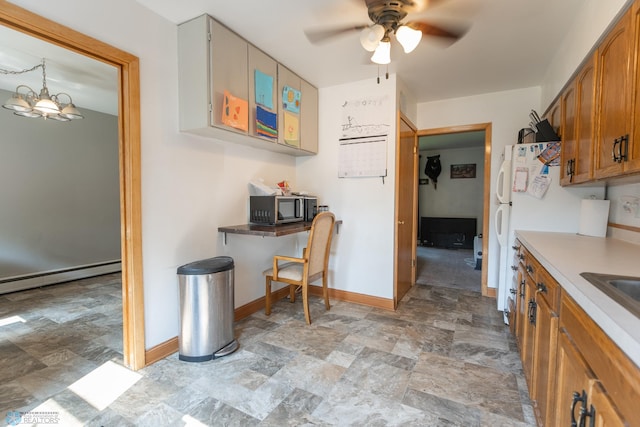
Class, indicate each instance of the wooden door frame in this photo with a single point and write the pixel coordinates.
(414, 225)
(486, 127)
(128, 66)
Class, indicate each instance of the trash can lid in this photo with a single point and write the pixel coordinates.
(207, 266)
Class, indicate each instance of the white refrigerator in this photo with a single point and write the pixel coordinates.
(530, 198)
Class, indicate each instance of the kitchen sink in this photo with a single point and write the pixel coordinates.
(625, 290)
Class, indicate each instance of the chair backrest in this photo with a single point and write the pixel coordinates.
(319, 244)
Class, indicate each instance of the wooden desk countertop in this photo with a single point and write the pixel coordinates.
(270, 230)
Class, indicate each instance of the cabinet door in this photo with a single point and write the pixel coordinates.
(568, 148)
(528, 344)
(309, 118)
(605, 413)
(633, 152)
(228, 70)
(264, 64)
(573, 376)
(614, 96)
(288, 122)
(544, 360)
(554, 115)
(585, 121)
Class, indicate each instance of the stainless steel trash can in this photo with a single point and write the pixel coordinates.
(206, 309)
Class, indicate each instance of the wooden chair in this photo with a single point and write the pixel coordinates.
(300, 272)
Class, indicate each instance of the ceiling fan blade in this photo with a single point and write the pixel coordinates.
(428, 29)
(325, 34)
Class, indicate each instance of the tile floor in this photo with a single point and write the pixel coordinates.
(442, 359)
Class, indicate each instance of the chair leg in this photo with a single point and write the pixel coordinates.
(292, 293)
(325, 292)
(267, 296)
(305, 302)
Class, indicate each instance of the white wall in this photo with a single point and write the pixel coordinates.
(507, 112)
(455, 198)
(60, 195)
(362, 261)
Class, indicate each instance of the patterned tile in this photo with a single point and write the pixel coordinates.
(443, 358)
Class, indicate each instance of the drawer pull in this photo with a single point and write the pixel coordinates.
(542, 288)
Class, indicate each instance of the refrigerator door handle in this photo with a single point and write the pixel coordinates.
(500, 224)
(503, 190)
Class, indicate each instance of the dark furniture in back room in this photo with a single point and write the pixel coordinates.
(448, 233)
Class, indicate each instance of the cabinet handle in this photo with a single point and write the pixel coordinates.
(515, 248)
(591, 413)
(522, 283)
(513, 291)
(577, 397)
(621, 142)
(542, 288)
(529, 269)
(624, 143)
(614, 157)
(521, 257)
(532, 311)
(514, 267)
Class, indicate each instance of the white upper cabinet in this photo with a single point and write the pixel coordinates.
(232, 91)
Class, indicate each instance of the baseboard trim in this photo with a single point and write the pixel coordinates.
(259, 304)
(161, 351)
(170, 346)
(356, 298)
(44, 278)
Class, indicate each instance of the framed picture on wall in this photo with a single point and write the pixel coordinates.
(467, 170)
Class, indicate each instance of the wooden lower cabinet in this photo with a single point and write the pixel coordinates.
(576, 375)
(581, 395)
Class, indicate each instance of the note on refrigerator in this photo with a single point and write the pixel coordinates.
(520, 179)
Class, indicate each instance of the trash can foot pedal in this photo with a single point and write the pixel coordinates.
(226, 350)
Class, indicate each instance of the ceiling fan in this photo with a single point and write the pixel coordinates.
(386, 17)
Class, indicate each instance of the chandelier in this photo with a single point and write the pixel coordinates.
(25, 102)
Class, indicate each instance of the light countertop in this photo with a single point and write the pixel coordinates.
(566, 255)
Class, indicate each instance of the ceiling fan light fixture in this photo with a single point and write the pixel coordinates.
(370, 37)
(382, 54)
(408, 38)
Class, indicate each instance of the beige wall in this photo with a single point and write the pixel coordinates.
(59, 192)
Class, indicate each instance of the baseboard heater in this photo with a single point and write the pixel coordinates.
(44, 278)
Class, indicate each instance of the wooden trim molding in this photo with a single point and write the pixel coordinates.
(624, 227)
(486, 127)
(259, 304)
(162, 350)
(19, 19)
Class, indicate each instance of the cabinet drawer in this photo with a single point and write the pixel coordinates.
(531, 265)
(548, 289)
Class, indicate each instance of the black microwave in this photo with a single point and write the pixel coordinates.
(274, 210)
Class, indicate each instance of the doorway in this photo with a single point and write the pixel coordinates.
(29, 23)
(461, 173)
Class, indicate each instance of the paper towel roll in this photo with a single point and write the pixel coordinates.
(594, 215)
